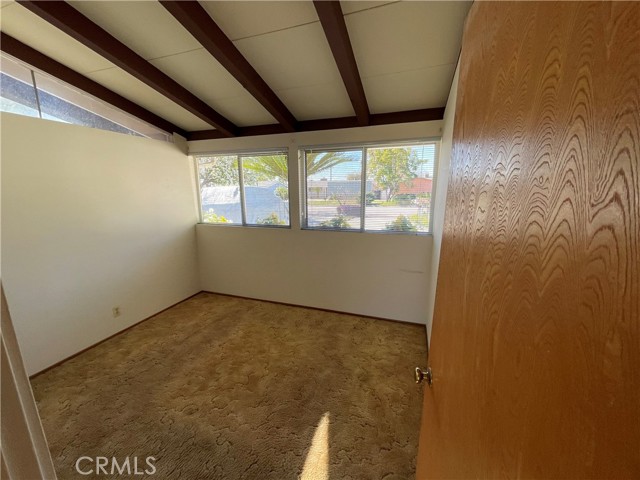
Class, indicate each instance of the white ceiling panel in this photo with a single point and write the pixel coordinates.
(203, 76)
(244, 111)
(129, 87)
(4, 3)
(290, 58)
(350, 7)
(31, 30)
(145, 27)
(406, 36)
(200, 73)
(317, 101)
(424, 88)
(250, 18)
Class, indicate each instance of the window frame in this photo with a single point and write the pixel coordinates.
(96, 112)
(363, 146)
(239, 155)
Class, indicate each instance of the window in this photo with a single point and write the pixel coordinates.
(247, 189)
(26, 91)
(17, 94)
(334, 188)
(382, 188)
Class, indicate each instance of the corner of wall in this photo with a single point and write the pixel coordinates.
(440, 198)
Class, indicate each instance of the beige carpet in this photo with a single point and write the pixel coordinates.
(227, 388)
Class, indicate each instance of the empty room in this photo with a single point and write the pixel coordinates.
(320, 240)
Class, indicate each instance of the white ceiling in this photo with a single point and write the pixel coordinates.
(405, 51)
(242, 19)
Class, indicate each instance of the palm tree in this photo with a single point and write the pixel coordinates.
(319, 161)
(271, 166)
(267, 166)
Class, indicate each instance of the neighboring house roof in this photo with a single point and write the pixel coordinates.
(417, 185)
(260, 201)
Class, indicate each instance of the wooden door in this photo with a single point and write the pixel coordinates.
(536, 338)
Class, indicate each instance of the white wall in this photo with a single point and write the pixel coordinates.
(440, 197)
(91, 220)
(366, 273)
(370, 274)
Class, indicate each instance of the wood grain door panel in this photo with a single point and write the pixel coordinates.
(536, 338)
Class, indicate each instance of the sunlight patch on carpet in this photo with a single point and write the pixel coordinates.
(316, 465)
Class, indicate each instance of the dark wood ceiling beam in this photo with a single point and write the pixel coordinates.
(197, 21)
(73, 23)
(25, 53)
(410, 116)
(335, 29)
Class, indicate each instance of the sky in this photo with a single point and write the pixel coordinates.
(341, 171)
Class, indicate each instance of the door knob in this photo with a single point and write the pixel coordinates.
(421, 375)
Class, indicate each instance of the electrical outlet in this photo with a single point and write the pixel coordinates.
(115, 311)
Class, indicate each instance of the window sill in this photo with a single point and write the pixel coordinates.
(305, 229)
(237, 225)
(372, 232)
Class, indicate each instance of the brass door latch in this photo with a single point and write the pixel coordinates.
(421, 375)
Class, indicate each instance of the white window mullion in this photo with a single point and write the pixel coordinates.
(301, 181)
(363, 195)
(243, 206)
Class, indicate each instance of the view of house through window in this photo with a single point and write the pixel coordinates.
(378, 188)
(334, 188)
(247, 189)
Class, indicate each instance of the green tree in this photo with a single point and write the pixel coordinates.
(336, 222)
(212, 217)
(319, 161)
(223, 171)
(218, 171)
(272, 219)
(267, 167)
(282, 193)
(401, 224)
(369, 198)
(275, 166)
(391, 167)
